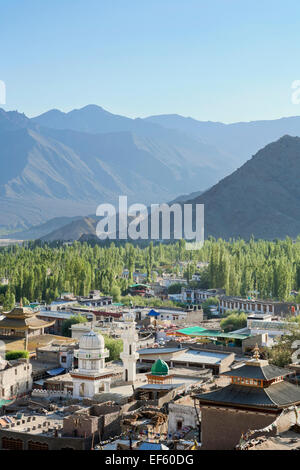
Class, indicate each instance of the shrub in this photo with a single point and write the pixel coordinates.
(11, 355)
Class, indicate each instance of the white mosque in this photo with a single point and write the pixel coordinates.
(91, 376)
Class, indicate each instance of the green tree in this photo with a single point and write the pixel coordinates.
(115, 346)
(280, 354)
(116, 293)
(234, 321)
(66, 326)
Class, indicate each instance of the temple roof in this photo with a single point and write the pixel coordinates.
(277, 395)
(22, 318)
(258, 370)
(21, 312)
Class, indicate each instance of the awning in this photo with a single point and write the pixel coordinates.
(57, 371)
(153, 313)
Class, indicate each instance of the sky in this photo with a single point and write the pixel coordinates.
(217, 60)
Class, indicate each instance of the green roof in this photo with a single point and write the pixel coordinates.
(138, 285)
(232, 335)
(213, 333)
(193, 330)
(4, 402)
(160, 368)
(198, 331)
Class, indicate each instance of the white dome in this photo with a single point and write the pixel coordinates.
(91, 340)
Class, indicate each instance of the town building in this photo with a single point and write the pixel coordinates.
(15, 378)
(275, 308)
(91, 376)
(189, 358)
(71, 427)
(95, 299)
(60, 355)
(142, 290)
(23, 322)
(174, 315)
(183, 417)
(56, 319)
(198, 296)
(257, 394)
(262, 329)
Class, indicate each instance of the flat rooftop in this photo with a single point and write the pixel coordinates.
(159, 350)
(17, 344)
(34, 424)
(188, 355)
(204, 357)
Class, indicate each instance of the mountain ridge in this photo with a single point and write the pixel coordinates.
(89, 155)
(261, 198)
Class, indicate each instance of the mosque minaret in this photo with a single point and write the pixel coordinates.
(129, 355)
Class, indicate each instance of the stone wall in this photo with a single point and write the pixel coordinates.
(185, 414)
(221, 428)
(80, 425)
(52, 443)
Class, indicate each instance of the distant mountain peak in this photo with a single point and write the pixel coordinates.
(261, 198)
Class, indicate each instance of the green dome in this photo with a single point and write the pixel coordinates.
(160, 368)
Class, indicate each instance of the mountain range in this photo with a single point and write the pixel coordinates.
(259, 199)
(90, 156)
(57, 167)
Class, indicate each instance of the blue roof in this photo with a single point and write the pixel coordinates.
(152, 446)
(57, 371)
(153, 313)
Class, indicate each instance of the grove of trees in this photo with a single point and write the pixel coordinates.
(41, 272)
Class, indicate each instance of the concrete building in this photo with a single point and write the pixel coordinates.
(56, 354)
(15, 378)
(73, 428)
(178, 316)
(274, 308)
(190, 358)
(263, 330)
(198, 296)
(182, 417)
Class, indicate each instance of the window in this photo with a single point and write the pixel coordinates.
(12, 444)
(179, 425)
(37, 445)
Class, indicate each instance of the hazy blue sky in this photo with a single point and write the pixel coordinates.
(225, 60)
